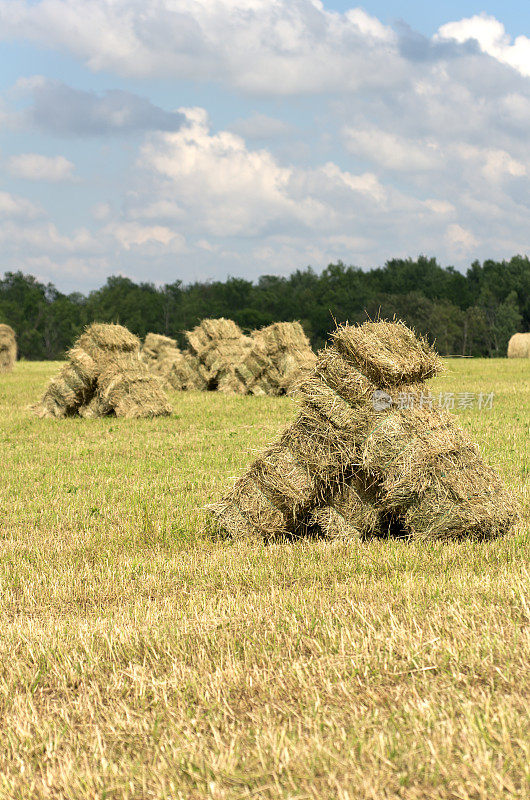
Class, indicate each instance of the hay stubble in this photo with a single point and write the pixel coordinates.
(139, 661)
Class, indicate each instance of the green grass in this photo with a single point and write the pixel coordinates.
(139, 659)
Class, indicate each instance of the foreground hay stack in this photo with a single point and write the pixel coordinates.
(358, 461)
(8, 348)
(104, 375)
(519, 346)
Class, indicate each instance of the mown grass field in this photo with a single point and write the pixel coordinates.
(140, 659)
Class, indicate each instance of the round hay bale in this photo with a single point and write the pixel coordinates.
(8, 348)
(519, 346)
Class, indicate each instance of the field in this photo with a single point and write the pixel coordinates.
(141, 659)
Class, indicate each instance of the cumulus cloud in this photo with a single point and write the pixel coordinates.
(278, 46)
(389, 150)
(230, 198)
(130, 234)
(491, 37)
(36, 167)
(12, 206)
(430, 155)
(61, 110)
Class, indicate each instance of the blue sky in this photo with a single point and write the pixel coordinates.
(183, 139)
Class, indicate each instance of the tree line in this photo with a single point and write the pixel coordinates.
(471, 314)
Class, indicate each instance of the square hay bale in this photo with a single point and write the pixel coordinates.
(388, 353)
(219, 346)
(100, 338)
(155, 346)
(348, 516)
(289, 354)
(127, 389)
(245, 512)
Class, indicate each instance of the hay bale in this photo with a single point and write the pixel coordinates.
(288, 352)
(8, 348)
(155, 346)
(184, 374)
(126, 388)
(348, 516)
(245, 512)
(388, 353)
(104, 375)
(519, 346)
(219, 346)
(64, 394)
(101, 338)
(432, 479)
(410, 471)
(159, 353)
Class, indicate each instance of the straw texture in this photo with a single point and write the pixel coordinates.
(357, 462)
(104, 375)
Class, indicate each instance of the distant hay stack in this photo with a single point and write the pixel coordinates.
(258, 373)
(221, 358)
(184, 373)
(8, 348)
(160, 353)
(104, 375)
(357, 461)
(218, 345)
(287, 347)
(156, 347)
(519, 346)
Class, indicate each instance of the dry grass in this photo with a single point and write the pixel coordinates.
(139, 660)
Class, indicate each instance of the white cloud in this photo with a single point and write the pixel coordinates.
(493, 164)
(36, 167)
(461, 241)
(389, 150)
(101, 211)
(266, 46)
(45, 238)
(492, 39)
(130, 235)
(431, 155)
(14, 206)
(225, 188)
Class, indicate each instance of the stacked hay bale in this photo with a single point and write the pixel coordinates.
(217, 347)
(104, 375)
(184, 373)
(156, 349)
(8, 348)
(164, 358)
(220, 357)
(289, 350)
(359, 461)
(281, 355)
(258, 373)
(519, 346)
